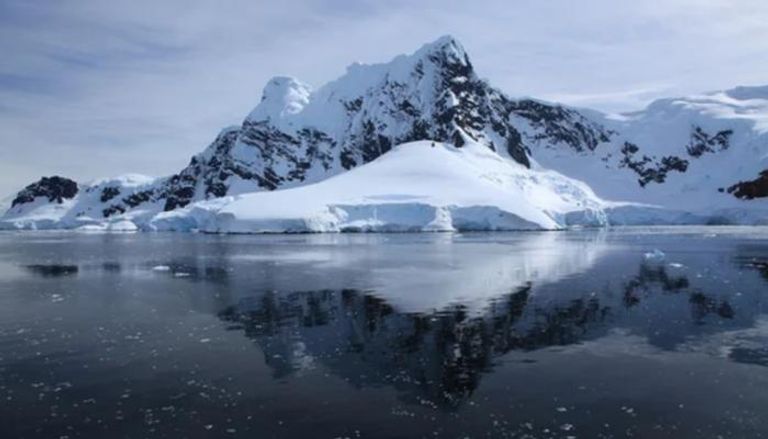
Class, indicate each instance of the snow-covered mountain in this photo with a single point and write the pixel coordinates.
(297, 135)
(697, 159)
(700, 154)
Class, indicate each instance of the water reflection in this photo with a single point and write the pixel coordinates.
(758, 356)
(52, 270)
(111, 267)
(243, 336)
(651, 275)
(754, 263)
(441, 356)
(438, 356)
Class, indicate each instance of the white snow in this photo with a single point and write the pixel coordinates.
(282, 97)
(5, 202)
(125, 180)
(84, 212)
(122, 226)
(664, 129)
(414, 187)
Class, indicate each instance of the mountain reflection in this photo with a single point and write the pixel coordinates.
(652, 275)
(52, 270)
(656, 275)
(441, 356)
(754, 263)
(431, 320)
(746, 355)
(438, 356)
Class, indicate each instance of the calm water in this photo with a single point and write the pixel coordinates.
(574, 334)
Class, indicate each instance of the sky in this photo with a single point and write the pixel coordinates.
(92, 89)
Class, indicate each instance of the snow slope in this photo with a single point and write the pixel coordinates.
(5, 203)
(86, 208)
(414, 187)
(684, 154)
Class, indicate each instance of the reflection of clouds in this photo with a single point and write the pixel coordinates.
(9, 271)
(282, 256)
(617, 341)
(745, 345)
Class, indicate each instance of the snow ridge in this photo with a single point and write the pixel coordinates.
(695, 154)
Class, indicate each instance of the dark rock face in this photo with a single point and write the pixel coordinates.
(55, 189)
(747, 190)
(557, 124)
(649, 169)
(653, 170)
(128, 202)
(217, 165)
(702, 142)
(109, 193)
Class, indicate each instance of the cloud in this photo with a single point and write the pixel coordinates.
(91, 89)
(612, 101)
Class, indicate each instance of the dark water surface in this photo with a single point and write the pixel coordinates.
(535, 335)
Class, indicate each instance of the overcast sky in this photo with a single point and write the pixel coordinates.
(98, 88)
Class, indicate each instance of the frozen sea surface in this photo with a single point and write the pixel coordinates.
(526, 335)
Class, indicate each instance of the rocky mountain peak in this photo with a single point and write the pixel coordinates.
(282, 96)
(446, 48)
(55, 189)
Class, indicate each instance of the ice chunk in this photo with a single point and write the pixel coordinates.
(122, 226)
